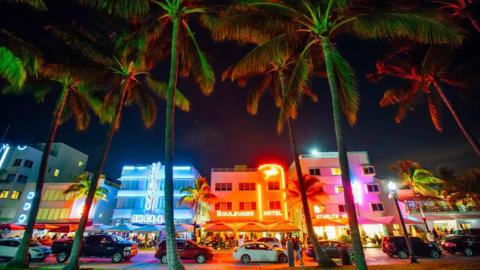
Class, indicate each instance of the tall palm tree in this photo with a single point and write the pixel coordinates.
(74, 101)
(80, 188)
(11, 68)
(427, 80)
(194, 196)
(420, 180)
(463, 9)
(316, 24)
(314, 191)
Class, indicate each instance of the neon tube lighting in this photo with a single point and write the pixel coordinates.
(4, 156)
(182, 168)
(21, 148)
(259, 197)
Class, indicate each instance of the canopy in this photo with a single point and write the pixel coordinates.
(180, 228)
(396, 220)
(252, 227)
(12, 227)
(363, 221)
(408, 195)
(64, 229)
(326, 222)
(283, 227)
(218, 227)
(150, 228)
(97, 228)
(123, 228)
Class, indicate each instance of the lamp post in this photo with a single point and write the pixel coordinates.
(393, 195)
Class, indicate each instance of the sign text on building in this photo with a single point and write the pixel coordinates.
(272, 213)
(329, 216)
(235, 213)
(155, 219)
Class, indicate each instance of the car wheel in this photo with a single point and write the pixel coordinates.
(163, 259)
(117, 257)
(201, 258)
(435, 254)
(468, 252)
(245, 259)
(62, 257)
(402, 254)
(390, 255)
(282, 258)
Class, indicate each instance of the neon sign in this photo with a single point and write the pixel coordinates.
(270, 170)
(5, 148)
(153, 219)
(357, 192)
(331, 216)
(235, 213)
(21, 148)
(26, 207)
(151, 199)
(272, 213)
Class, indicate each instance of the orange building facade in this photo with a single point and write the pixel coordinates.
(249, 195)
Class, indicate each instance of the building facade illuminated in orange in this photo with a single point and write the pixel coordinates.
(249, 194)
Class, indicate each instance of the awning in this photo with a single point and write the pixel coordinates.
(408, 195)
(64, 229)
(252, 227)
(366, 221)
(388, 220)
(218, 227)
(150, 228)
(283, 227)
(97, 228)
(123, 228)
(180, 228)
(326, 222)
(12, 227)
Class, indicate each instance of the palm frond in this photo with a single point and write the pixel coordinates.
(147, 106)
(31, 57)
(121, 8)
(37, 4)
(434, 114)
(257, 92)
(160, 89)
(11, 68)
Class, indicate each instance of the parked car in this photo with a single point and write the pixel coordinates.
(187, 249)
(469, 245)
(259, 252)
(8, 248)
(272, 241)
(98, 245)
(331, 248)
(396, 246)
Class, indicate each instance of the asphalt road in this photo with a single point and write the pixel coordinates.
(223, 260)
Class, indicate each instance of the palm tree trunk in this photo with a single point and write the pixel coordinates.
(172, 254)
(449, 105)
(195, 210)
(420, 208)
(77, 243)
(343, 159)
(21, 257)
(322, 259)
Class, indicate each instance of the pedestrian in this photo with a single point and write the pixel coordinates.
(376, 240)
(240, 241)
(435, 234)
(297, 246)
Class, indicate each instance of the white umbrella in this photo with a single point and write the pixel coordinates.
(123, 228)
(150, 228)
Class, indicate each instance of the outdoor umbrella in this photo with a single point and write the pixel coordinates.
(363, 221)
(252, 227)
(150, 228)
(97, 228)
(218, 227)
(283, 227)
(180, 228)
(326, 222)
(123, 228)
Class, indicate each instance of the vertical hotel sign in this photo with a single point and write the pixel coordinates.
(270, 171)
(151, 200)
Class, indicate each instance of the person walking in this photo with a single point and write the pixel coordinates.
(297, 246)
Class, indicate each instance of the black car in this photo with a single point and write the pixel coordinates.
(97, 245)
(396, 246)
(331, 248)
(187, 249)
(467, 244)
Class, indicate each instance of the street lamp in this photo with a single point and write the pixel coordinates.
(392, 188)
(314, 152)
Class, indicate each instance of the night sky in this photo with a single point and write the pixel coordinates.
(218, 132)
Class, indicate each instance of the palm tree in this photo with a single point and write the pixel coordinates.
(74, 101)
(194, 196)
(11, 68)
(313, 189)
(420, 180)
(316, 24)
(81, 187)
(463, 9)
(463, 189)
(427, 79)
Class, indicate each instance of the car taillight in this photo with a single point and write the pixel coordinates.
(450, 244)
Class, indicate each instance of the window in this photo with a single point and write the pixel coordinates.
(336, 171)
(80, 163)
(246, 186)
(15, 195)
(318, 209)
(314, 171)
(339, 189)
(17, 162)
(275, 205)
(341, 208)
(247, 206)
(28, 163)
(4, 194)
(56, 172)
(22, 179)
(274, 185)
(368, 170)
(373, 188)
(377, 207)
(223, 186)
(11, 177)
(225, 206)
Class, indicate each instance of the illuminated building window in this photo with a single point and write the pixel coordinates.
(28, 163)
(341, 208)
(223, 186)
(336, 171)
(42, 213)
(223, 206)
(246, 186)
(247, 206)
(56, 172)
(22, 179)
(275, 205)
(274, 185)
(11, 177)
(80, 163)
(368, 170)
(319, 209)
(64, 213)
(4, 194)
(377, 207)
(338, 189)
(314, 171)
(373, 188)
(17, 162)
(15, 195)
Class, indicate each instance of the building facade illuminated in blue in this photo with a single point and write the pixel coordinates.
(141, 200)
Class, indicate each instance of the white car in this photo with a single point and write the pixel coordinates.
(260, 252)
(272, 241)
(9, 247)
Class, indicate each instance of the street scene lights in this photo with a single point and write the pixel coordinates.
(392, 188)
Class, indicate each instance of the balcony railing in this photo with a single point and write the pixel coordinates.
(441, 209)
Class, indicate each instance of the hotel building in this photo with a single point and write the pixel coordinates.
(141, 200)
(249, 195)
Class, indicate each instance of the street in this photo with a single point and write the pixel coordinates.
(223, 260)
